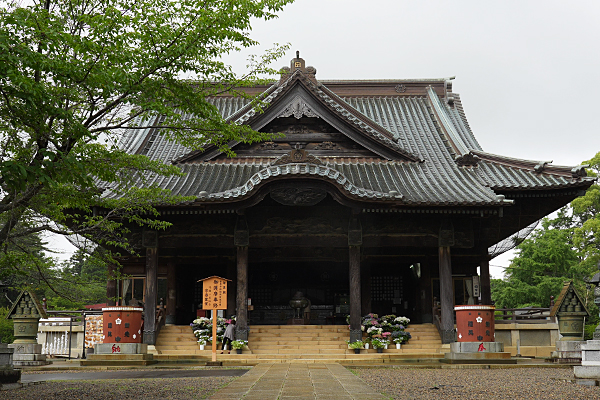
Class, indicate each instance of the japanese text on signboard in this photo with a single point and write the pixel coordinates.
(214, 294)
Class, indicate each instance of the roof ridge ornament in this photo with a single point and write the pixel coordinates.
(298, 64)
(467, 160)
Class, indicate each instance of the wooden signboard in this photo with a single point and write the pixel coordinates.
(214, 297)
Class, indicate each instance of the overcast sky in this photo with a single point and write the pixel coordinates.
(527, 71)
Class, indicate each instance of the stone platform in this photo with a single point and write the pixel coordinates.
(568, 352)
(27, 355)
(477, 353)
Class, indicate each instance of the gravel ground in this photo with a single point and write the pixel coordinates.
(403, 383)
(147, 389)
(489, 384)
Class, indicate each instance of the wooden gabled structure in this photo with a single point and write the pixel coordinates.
(368, 180)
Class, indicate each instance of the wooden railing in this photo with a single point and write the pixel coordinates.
(76, 318)
(523, 315)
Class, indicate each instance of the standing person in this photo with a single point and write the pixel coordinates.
(228, 336)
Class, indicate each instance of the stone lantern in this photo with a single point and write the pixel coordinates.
(571, 313)
(26, 312)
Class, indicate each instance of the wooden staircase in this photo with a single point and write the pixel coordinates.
(299, 343)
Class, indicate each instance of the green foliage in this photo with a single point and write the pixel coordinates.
(74, 75)
(564, 248)
(6, 327)
(589, 331)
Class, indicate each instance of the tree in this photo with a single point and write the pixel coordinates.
(565, 248)
(75, 74)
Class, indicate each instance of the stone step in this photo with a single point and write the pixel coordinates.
(299, 347)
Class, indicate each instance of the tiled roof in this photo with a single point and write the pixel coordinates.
(405, 183)
(430, 130)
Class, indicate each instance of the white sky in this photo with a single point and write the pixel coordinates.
(526, 70)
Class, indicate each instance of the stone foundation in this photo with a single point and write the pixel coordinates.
(588, 373)
(568, 352)
(477, 353)
(27, 355)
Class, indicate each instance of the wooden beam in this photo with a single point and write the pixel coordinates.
(171, 293)
(241, 327)
(486, 290)
(151, 295)
(355, 303)
(446, 295)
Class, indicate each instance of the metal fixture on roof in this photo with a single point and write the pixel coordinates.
(512, 241)
(579, 171)
(539, 168)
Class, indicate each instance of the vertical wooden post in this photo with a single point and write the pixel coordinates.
(355, 303)
(111, 286)
(486, 290)
(150, 241)
(171, 293)
(231, 291)
(214, 335)
(354, 243)
(241, 326)
(446, 295)
(365, 293)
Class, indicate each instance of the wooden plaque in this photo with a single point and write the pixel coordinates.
(214, 293)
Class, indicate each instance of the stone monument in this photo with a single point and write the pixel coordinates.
(588, 373)
(571, 313)
(26, 312)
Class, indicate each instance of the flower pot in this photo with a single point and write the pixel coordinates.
(380, 350)
(366, 346)
(239, 351)
(356, 351)
(202, 346)
(386, 346)
(398, 345)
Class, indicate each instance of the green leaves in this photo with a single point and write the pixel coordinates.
(74, 75)
(565, 248)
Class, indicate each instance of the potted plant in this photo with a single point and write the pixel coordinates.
(378, 344)
(238, 345)
(366, 343)
(202, 341)
(398, 341)
(356, 346)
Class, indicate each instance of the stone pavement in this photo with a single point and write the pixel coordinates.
(298, 382)
(142, 374)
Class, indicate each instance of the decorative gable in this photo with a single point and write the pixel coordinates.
(26, 306)
(569, 302)
(299, 104)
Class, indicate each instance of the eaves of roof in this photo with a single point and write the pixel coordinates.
(507, 173)
(248, 114)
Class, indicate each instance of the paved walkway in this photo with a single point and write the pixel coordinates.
(298, 382)
(143, 374)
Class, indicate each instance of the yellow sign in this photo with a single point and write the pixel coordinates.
(214, 293)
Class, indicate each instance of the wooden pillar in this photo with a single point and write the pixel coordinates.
(365, 294)
(241, 327)
(355, 304)
(111, 286)
(446, 295)
(354, 243)
(150, 241)
(486, 289)
(171, 293)
(231, 290)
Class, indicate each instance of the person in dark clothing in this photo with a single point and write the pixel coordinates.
(228, 336)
